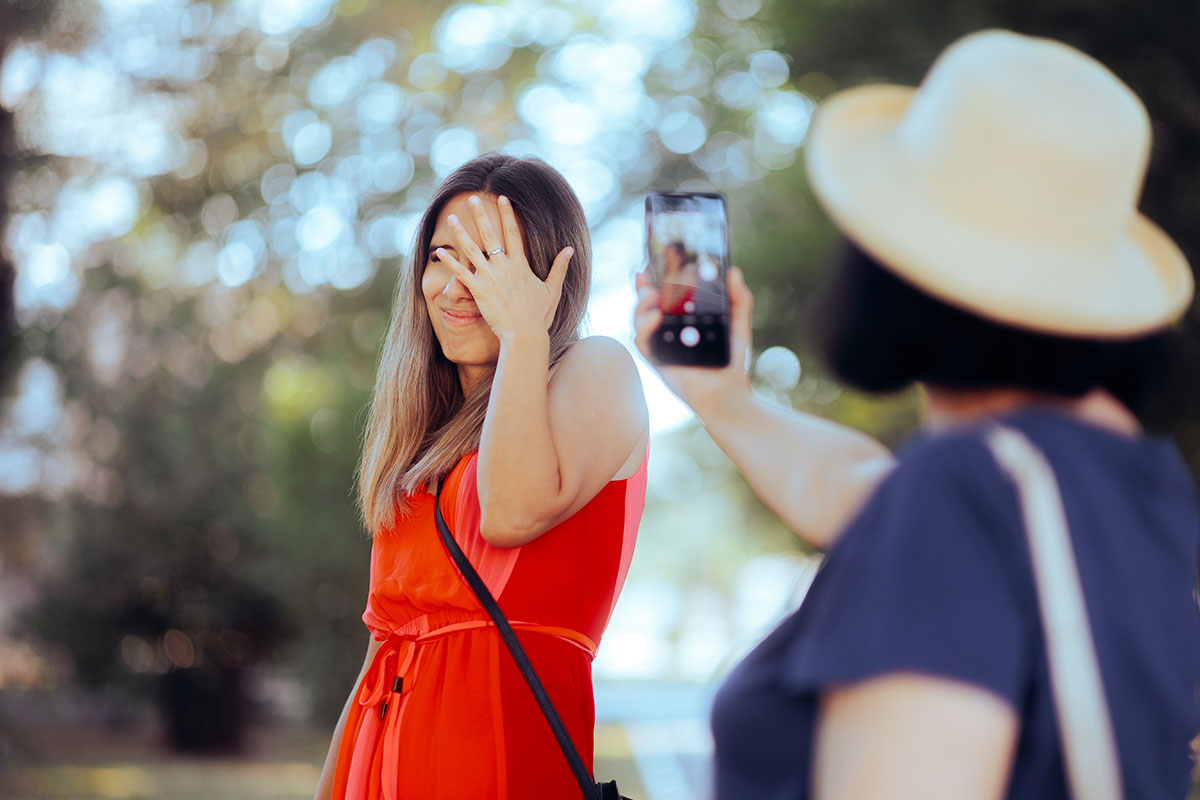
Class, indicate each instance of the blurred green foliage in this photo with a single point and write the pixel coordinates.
(16, 20)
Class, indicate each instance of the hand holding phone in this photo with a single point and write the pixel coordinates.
(704, 389)
(687, 246)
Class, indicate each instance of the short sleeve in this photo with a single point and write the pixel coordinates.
(923, 581)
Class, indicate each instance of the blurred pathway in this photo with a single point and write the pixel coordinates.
(658, 731)
(652, 737)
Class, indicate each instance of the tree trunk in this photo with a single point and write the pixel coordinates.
(204, 709)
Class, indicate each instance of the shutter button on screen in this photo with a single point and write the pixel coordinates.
(689, 336)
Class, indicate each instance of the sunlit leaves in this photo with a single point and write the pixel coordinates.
(382, 118)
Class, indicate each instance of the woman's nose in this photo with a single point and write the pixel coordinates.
(455, 289)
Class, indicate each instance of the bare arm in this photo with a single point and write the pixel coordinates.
(325, 784)
(813, 473)
(908, 736)
(548, 445)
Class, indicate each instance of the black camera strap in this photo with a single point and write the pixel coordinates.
(591, 789)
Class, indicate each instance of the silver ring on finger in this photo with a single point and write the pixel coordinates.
(491, 253)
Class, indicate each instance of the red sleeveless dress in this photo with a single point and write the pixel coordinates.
(442, 712)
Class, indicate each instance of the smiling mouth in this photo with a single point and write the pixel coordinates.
(460, 318)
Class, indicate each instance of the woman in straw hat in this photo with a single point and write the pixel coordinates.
(995, 255)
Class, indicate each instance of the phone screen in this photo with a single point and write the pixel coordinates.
(688, 250)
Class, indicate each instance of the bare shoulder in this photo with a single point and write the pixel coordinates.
(597, 380)
(597, 408)
(603, 347)
(598, 360)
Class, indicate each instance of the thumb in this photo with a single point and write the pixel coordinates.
(558, 272)
(741, 306)
(554, 282)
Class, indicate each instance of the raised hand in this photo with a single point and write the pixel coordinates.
(700, 387)
(511, 298)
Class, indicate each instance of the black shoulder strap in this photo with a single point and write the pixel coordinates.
(589, 787)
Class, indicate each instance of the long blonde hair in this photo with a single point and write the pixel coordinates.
(421, 423)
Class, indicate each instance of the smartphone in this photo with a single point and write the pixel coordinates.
(687, 245)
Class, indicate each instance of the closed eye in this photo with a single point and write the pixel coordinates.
(447, 247)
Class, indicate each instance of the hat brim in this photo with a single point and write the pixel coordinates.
(1136, 284)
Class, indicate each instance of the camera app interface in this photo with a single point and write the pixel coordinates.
(687, 251)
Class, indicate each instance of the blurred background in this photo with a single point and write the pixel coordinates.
(205, 207)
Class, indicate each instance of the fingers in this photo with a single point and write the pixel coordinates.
(646, 316)
(463, 273)
(513, 243)
(647, 299)
(466, 244)
(487, 233)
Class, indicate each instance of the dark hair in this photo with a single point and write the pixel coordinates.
(879, 333)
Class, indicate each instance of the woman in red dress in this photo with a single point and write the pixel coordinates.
(677, 289)
(541, 439)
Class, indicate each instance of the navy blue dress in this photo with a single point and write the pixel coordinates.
(933, 576)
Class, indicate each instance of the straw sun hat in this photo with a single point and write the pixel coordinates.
(1007, 184)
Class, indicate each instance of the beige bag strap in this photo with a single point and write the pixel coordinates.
(1084, 724)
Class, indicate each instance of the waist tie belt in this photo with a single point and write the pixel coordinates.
(394, 659)
(392, 674)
